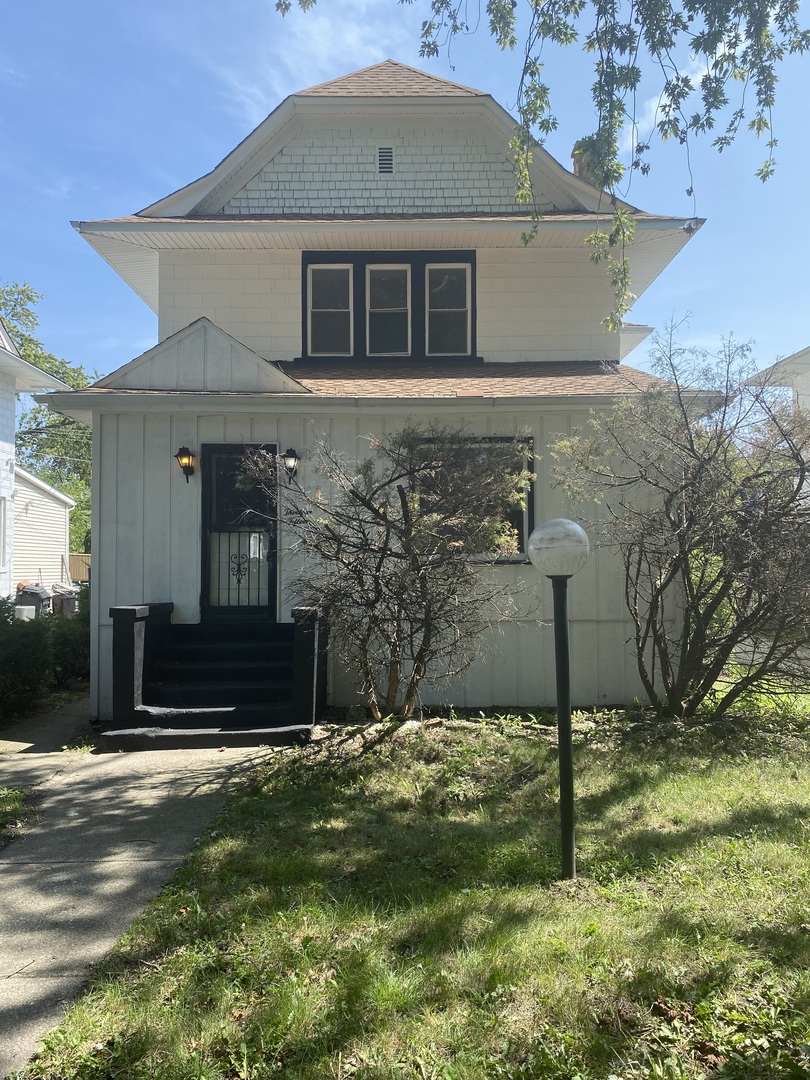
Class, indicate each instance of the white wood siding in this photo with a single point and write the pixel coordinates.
(40, 535)
(532, 304)
(147, 539)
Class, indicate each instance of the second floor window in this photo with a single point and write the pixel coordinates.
(373, 305)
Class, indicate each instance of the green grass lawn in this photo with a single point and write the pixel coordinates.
(387, 904)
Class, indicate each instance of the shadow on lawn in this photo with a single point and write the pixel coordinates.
(318, 854)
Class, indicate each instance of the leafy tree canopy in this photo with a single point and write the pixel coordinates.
(717, 63)
(54, 448)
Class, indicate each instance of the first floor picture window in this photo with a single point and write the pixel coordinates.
(372, 305)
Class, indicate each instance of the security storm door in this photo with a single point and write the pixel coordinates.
(239, 539)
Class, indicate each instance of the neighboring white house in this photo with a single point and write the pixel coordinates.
(41, 532)
(356, 262)
(16, 377)
(793, 371)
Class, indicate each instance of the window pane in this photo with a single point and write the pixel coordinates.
(447, 287)
(388, 289)
(387, 332)
(329, 289)
(447, 333)
(330, 333)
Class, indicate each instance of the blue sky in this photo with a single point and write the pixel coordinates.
(106, 107)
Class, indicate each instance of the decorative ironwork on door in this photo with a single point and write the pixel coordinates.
(240, 537)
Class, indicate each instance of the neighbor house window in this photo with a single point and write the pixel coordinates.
(372, 305)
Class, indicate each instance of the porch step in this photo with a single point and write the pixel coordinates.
(188, 693)
(223, 633)
(174, 738)
(260, 714)
(202, 669)
(216, 650)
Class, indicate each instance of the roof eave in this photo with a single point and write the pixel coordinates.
(28, 378)
(131, 245)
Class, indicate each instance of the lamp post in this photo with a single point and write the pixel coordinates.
(558, 548)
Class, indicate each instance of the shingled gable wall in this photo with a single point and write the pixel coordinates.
(437, 169)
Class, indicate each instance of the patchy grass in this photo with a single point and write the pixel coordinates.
(385, 904)
(17, 809)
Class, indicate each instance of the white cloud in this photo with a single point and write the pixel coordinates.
(647, 113)
(271, 57)
(9, 72)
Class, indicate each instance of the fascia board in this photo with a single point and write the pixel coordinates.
(137, 232)
(312, 405)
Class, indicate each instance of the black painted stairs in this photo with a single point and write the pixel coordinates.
(217, 685)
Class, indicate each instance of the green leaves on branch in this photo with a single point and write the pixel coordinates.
(712, 66)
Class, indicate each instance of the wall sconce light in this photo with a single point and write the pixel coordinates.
(289, 460)
(185, 459)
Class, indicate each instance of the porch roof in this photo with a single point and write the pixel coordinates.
(453, 378)
(347, 384)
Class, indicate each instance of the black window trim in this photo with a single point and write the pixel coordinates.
(418, 261)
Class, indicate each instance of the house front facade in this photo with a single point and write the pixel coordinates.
(357, 263)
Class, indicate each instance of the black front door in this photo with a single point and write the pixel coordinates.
(239, 539)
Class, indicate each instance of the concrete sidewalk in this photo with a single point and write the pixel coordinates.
(113, 829)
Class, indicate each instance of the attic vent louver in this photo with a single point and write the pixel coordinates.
(385, 159)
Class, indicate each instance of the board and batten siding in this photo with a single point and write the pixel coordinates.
(532, 304)
(147, 545)
(41, 532)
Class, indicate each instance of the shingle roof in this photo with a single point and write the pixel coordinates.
(403, 379)
(409, 380)
(390, 79)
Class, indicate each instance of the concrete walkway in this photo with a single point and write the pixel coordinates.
(113, 829)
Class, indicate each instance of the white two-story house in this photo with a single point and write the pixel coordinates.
(356, 262)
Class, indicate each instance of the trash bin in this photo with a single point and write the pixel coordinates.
(35, 596)
(64, 604)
